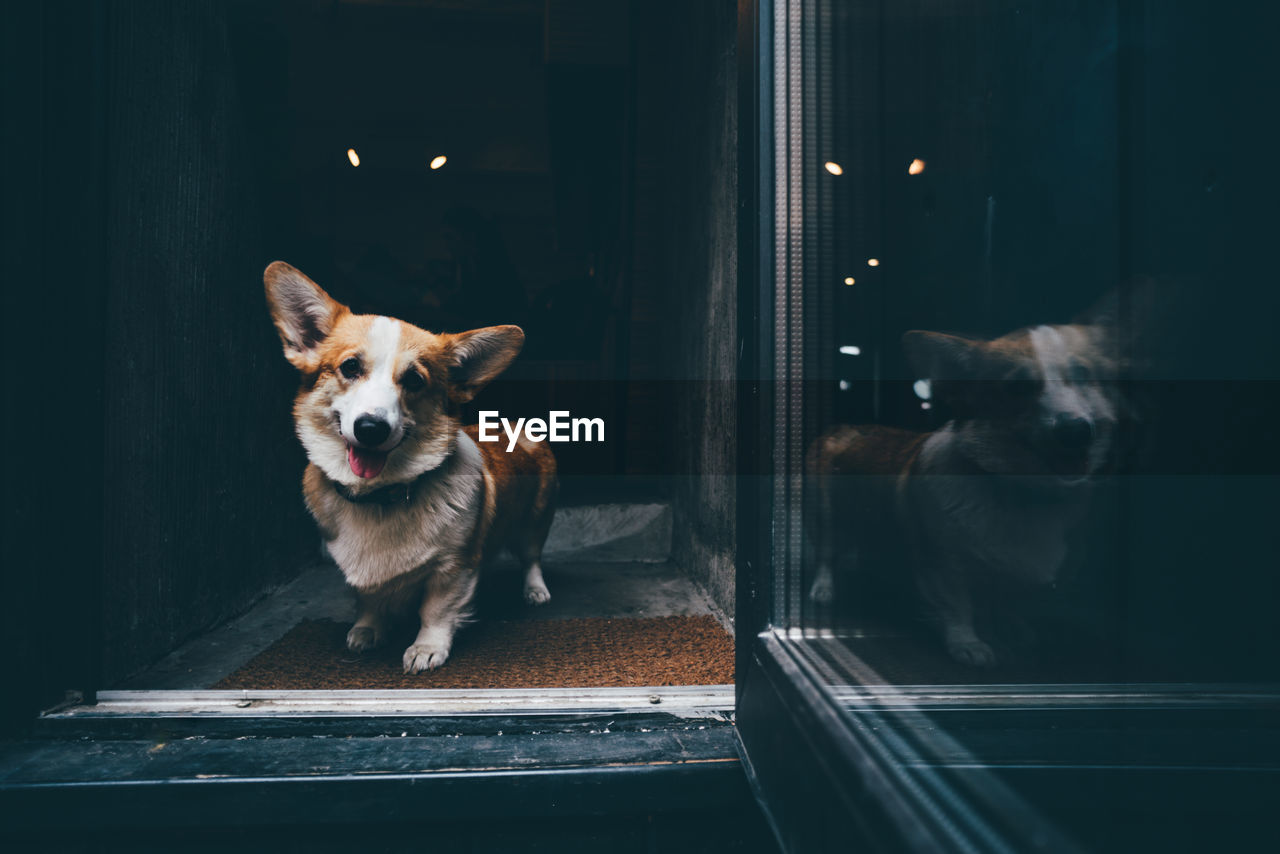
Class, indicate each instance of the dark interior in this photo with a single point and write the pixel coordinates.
(568, 204)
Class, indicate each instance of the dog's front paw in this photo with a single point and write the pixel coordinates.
(536, 593)
(361, 638)
(974, 653)
(420, 657)
(822, 590)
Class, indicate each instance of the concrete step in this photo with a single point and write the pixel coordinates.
(637, 532)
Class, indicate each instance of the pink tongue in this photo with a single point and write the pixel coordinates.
(365, 463)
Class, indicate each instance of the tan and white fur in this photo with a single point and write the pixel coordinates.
(994, 490)
(409, 505)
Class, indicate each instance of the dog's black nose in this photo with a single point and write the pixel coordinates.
(1072, 431)
(371, 430)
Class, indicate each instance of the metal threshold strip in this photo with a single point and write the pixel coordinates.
(695, 701)
(1061, 696)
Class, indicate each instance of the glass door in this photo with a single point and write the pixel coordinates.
(1011, 375)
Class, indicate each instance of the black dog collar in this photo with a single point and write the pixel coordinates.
(387, 496)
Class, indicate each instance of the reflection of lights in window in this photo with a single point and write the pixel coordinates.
(844, 385)
(916, 167)
(353, 157)
(873, 262)
(926, 405)
(833, 167)
(849, 280)
(438, 161)
(851, 350)
(923, 389)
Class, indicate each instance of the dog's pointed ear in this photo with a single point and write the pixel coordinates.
(303, 313)
(480, 355)
(939, 356)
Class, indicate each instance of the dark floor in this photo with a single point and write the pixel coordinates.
(601, 560)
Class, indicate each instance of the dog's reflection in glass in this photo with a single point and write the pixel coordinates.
(992, 493)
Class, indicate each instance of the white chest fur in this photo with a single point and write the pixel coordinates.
(375, 544)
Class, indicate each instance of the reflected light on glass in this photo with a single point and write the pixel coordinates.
(849, 280)
(353, 157)
(844, 385)
(916, 167)
(851, 350)
(926, 405)
(833, 167)
(873, 262)
(438, 161)
(923, 389)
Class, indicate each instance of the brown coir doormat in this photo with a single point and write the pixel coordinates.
(580, 653)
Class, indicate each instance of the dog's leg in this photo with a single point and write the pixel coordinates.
(367, 632)
(535, 588)
(945, 589)
(444, 608)
(528, 548)
(820, 535)
(530, 554)
(823, 588)
(822, 551)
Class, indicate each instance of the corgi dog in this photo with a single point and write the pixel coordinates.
(409, 504)
(994, 490)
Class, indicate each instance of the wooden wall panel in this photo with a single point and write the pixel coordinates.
(202, 468)
(51, 245)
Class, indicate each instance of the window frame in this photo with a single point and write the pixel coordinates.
(823, 782)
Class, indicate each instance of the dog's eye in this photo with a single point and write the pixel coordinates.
(412, 381)
(350, 368)
(1019, 384)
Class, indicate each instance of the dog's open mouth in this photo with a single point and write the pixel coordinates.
(366, 462)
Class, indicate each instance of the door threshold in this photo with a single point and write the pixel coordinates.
(683, 701)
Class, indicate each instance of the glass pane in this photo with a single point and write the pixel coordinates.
(1035, 375)
(1027, 378)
